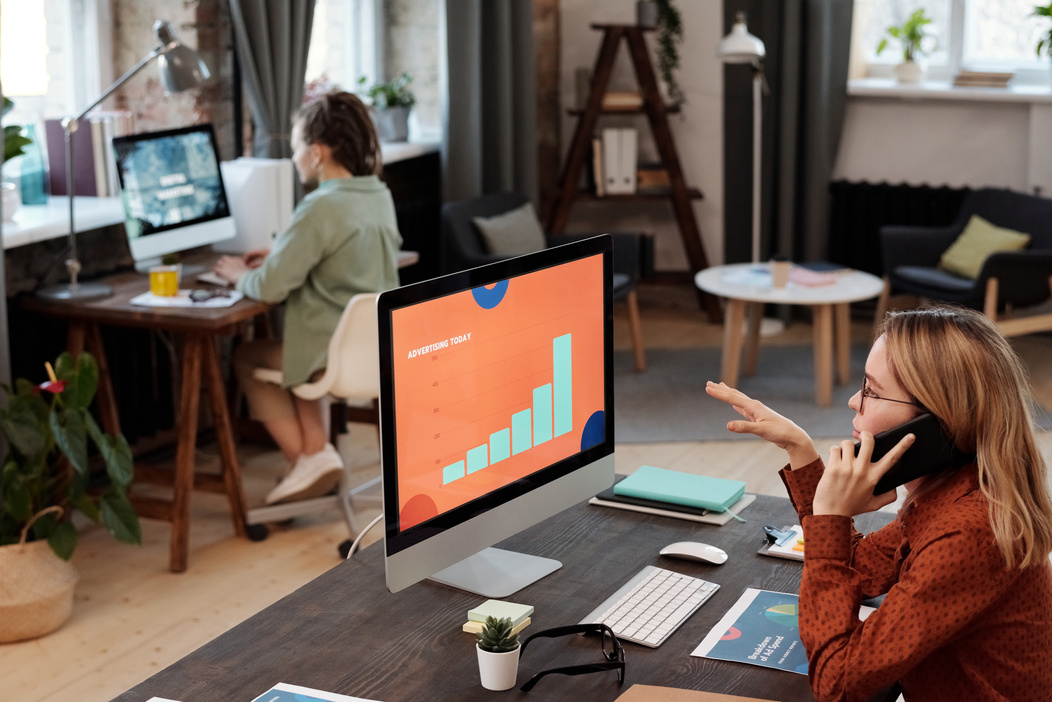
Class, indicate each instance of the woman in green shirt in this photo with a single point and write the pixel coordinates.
(343, 239)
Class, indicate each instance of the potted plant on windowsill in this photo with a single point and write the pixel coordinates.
(915, 40)
(1044, 45)
(498, 653)
(391, 102)
(46, 474)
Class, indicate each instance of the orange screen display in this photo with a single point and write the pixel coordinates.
(495, 383)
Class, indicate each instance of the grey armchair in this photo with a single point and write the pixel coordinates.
(463, 247)
(1007, 281)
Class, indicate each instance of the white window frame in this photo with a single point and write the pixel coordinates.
(1039, 73)
(86, 27)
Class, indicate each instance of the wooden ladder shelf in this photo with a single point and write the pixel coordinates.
(654, 107)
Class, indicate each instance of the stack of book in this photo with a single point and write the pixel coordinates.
(622, 100)
(94, 170)
(652, 178)
(976, 79)
(671, 493)
(519, 614)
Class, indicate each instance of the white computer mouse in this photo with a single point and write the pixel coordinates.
(694, 551)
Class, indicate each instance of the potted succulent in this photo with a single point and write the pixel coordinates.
(498, 653)
(915, 41)
(391, 103)
(45, 475)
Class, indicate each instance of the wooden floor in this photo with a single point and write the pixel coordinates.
(132, 617)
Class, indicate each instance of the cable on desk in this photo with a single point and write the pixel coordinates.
(358, 539)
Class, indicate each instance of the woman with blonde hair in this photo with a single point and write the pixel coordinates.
(965, 565)
(343, 239)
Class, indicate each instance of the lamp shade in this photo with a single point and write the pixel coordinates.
(181, 68)
(739, 46)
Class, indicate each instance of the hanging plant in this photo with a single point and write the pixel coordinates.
(669, 36)
(1044, 45)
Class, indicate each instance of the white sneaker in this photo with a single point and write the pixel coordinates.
(311, 476)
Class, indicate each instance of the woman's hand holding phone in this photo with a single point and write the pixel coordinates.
(847, 484)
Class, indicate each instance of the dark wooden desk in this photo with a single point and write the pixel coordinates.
(198, 328)
(343, 632)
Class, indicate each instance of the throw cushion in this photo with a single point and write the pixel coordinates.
(979, 239)
(513, 233)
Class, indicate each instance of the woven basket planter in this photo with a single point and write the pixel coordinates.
(36, 590)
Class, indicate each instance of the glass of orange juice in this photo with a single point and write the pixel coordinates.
(164, 281)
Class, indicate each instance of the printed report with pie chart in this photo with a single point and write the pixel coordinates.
(762, 628)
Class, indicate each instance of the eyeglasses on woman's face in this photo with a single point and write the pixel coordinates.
(866, 392)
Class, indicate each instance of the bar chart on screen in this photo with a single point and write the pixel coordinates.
(497, 398)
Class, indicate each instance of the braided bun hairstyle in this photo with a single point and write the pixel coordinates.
(340, 121)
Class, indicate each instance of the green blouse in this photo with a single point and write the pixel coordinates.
(343, 239)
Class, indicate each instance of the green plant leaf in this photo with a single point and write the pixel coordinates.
(71, 437)
(18, 498)
(116, 454)
(63, 540)
(81, 376)
(119, 517)
(14, 141)
(87, 505)
(22, 427)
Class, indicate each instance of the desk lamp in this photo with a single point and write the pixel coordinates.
(181, 68)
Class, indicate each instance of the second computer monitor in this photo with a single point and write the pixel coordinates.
(173, 192)
(496, 412)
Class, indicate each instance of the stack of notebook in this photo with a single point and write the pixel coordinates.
(672, 493)
(518, 613)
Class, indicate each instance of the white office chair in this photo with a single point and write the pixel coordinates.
(352, 380)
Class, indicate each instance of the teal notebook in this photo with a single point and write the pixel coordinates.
(650, 483)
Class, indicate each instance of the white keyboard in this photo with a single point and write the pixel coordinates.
(650, 606)
(212, 279)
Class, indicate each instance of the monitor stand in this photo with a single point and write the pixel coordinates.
(496, 573)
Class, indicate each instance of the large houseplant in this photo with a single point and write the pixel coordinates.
(915, 40)
(47, 429)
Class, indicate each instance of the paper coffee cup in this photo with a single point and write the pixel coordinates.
(779, 273)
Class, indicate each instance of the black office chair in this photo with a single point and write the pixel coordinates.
(1007, 280)
(464, 247)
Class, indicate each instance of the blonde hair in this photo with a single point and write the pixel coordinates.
(957, 364)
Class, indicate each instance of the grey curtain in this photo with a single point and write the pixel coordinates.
(272, 38)
(808, 42)
(489, 142)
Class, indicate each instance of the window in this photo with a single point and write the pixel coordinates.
(346, 42)
(46, 43)
(973, 35)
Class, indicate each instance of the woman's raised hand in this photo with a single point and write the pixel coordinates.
(761, 420)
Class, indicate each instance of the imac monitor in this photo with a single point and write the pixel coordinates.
(173, 192)
(496, 412)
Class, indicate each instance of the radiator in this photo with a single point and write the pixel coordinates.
(859, 210)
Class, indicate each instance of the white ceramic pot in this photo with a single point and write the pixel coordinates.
(10, 199)
(391, 124)
(909, 72)
(498, 670)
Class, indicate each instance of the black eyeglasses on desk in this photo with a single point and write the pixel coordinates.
(611, 647)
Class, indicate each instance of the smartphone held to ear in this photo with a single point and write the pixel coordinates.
(931, 452)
